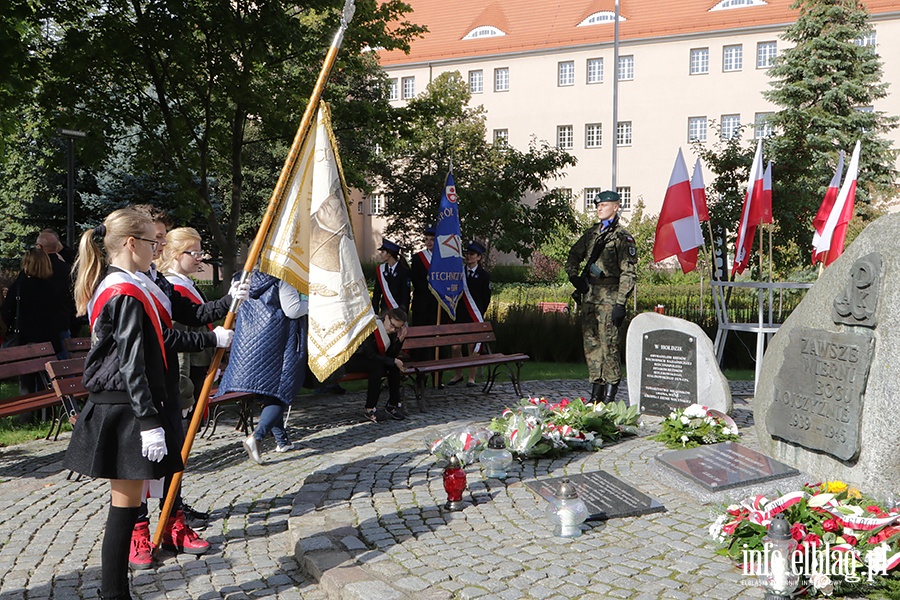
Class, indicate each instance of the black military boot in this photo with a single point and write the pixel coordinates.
(609, 392)
(597, 392)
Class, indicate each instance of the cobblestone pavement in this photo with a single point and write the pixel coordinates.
(354, 512)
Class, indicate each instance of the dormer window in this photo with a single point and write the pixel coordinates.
(726, 4)
(604, 16)
(484, 31)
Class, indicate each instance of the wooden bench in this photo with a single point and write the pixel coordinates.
(77, 347)
(431, 337)
(27, 360)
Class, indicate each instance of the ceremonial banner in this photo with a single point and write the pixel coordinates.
(445, 275)
(678, 228)
(698, 190)
(310, 245)
(825, 210)
(764, 208)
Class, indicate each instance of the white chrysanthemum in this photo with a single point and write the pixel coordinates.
(685, 420)
(684, 440)
(695, 411)
(715, 530)
(673, 415)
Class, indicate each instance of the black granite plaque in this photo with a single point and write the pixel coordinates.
(605, 496)
(668, 371)
(819, 389)
(725, 465)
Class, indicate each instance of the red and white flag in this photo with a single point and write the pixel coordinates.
(827, 204)
(698, 190)
(678, 228)
(828, 242)
(764, 213)
(749, 215)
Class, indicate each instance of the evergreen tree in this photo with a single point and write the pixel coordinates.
(826, 85)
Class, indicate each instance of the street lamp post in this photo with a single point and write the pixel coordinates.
(70, 135)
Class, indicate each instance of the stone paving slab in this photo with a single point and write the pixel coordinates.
(355, 513)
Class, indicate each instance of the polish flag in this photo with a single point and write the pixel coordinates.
(749, 215)
(827, 205)
(698, 191)
(830, 241)
(678, 228)
(764, 212)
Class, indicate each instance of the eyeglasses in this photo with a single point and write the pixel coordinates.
(154, 244)
(194, 253)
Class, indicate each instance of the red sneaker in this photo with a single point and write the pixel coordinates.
(141, 555)
(181, 538)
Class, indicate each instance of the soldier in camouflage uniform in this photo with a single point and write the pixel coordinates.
(602, 286)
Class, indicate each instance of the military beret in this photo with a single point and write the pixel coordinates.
(607, 196)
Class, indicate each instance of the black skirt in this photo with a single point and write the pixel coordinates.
(106, 443)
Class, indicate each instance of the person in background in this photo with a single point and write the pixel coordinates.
(183, 257)
(268, 357)
(392, 280)
(377, 356)
(425, 305)
(474, 303)
(48, 241)
(603, 284)
(35, 311)
(124, 434)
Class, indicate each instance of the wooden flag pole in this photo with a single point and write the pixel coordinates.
(252, 257)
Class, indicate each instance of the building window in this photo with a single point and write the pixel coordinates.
(624, 197)
(732, 58)
(724, 4)
(501, 79)
(393, 89)
(376, 204)
(731, 126)
(626, 68)
(696, 129)
(762, 125)
(476, 81)
(595, 70)
(590, 194)
(623, 133)
(565, 193)
(565, 137)
(699, 61)
(566, 73)
(593, 135)
(870, 39)
(604, 16)
(483, 32)
(409, 87)
(501, 137)
(765, 54)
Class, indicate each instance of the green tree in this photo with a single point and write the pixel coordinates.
(200, 93)
(504, 198)
(826, 85)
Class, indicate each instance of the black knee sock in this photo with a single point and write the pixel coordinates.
(143, 512)
(114, 555)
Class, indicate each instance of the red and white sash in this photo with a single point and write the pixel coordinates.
(382, 338)
(123, 283)
(472, 308)
(425, 257)
(386, 289)
(185, 286)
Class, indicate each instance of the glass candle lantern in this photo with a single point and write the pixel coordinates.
(496, 458)
(454, 484)
(778, 576)
(566, 511)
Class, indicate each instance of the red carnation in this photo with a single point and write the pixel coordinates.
(798, 532)
(831, 525)
(813, 540)
(850, 539)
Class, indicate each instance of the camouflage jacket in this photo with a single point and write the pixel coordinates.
(617, 259)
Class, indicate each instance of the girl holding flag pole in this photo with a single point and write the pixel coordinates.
(123, 433)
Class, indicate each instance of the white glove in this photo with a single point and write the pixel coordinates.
(240, 291)
(185, 412)
(153, 444)
(223, 337)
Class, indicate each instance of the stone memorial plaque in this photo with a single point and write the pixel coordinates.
(819, 389)
(668, 371)
(605, 496)
(725, 465)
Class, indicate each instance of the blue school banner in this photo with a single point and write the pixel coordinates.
(445, 275)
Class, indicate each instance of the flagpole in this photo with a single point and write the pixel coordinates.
(770, 252)
(252, 258)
